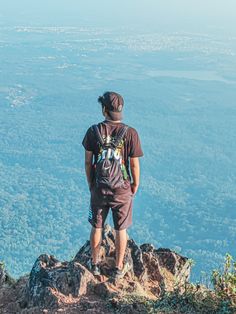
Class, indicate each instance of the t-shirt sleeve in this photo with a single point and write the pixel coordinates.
(135, 149)
(88, 141)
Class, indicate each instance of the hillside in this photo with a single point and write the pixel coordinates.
(179, 91)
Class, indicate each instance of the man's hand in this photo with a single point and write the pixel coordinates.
(134, 188)
(88, 167)
(135, 172)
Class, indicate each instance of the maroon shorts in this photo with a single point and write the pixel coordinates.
(120, 204)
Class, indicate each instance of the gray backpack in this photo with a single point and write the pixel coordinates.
(109, 170)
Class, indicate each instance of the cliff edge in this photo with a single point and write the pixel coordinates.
(54, 286)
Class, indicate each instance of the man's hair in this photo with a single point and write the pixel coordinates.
(102, 102)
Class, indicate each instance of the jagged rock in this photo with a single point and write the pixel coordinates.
(159, 269)
(50, 276)
(11, 295)
(5, 278)
(147, 247)
(107, 253)
(2, 274)
(137, 259)
(176, 264)
(54, 285)
(167, 269)
(106, 290)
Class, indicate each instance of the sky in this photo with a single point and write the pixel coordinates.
(161, 14)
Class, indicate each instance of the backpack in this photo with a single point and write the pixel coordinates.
(109, 170)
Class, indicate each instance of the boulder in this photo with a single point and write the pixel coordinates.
(49, 278)
(165, 270)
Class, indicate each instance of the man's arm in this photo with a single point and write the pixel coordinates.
(135, 172)
(89, 166)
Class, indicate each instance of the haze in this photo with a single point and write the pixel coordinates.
(173, 15)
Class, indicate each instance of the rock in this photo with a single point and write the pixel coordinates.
(167, 269)
(2, 274)
(137, 259)
(147, 247)
(5, 278)
(49, 277)
(70, 287)
(11, 295)
(107, 253)
(177, 265)
(159, 270)
(106, 290)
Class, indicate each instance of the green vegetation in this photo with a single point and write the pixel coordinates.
(193, 299)
(186, 200)
(221, 299)
(225, 283)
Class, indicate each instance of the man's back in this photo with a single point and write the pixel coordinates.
(130, 147)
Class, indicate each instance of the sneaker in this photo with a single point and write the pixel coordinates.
(94, 268)
(120, 273)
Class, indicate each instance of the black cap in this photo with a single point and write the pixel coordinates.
(113, 103)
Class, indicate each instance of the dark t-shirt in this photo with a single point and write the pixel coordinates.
(131, 147)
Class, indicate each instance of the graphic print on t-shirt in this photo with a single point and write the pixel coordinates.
(117, 152)
(109, 153)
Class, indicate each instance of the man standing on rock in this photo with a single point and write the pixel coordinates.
(112, 151)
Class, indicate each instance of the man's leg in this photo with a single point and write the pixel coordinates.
(122, 218)
(95, 241)
(121, 243)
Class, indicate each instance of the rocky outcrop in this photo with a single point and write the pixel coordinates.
(5, 278)
(2, 274)
(50, 278)
(158, 270)
(70, 286)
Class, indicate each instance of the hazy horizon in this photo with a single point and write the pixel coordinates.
(169, 15)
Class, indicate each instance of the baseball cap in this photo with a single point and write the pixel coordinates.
(113, 103)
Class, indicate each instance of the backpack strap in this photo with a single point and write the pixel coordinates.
(98, 135)
(118, 139)
(120, 136)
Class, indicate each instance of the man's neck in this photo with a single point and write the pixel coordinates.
(112, 121)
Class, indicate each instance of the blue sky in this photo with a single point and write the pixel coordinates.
(161, 14)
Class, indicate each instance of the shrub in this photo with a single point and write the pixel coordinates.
(224, 283)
